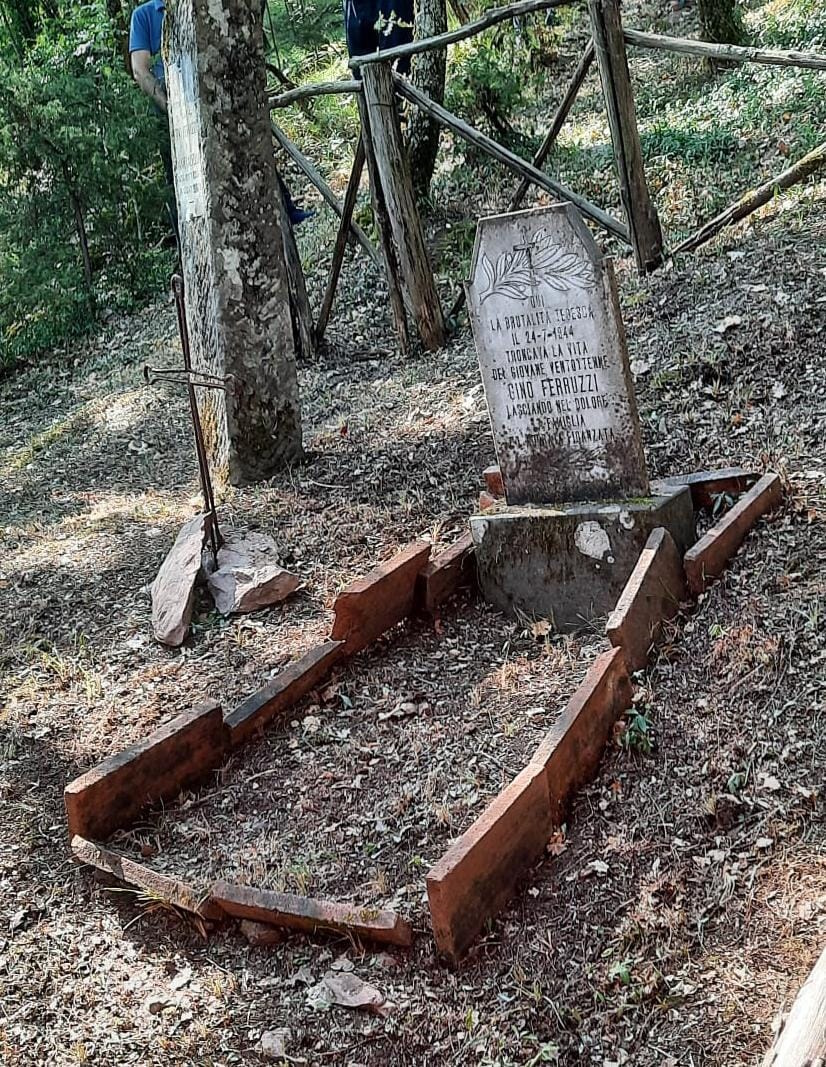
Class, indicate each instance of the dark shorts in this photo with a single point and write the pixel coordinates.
(360, 18)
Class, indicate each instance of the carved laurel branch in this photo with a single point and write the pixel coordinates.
(516, 273)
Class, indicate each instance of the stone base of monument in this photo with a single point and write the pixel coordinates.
(569, 563)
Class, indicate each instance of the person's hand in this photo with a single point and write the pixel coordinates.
(159, 96)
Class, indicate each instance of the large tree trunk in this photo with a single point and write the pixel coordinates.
(720, 20)
(232, 248)
(429, 76)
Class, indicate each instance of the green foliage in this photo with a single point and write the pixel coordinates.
(487, 83)
(637, 734)
(79, 165)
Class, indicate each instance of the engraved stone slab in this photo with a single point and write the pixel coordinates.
(543, 306)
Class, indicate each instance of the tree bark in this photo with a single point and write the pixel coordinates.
(720, 21)
(232, 242)
(428, 74)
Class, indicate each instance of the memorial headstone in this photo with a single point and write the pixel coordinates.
(551, 347)
(546, 321)
(232, 254)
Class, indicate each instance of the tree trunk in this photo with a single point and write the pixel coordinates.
(232, 247)
(119, 19)
(80, 227)
(429, 76)
(720, 20)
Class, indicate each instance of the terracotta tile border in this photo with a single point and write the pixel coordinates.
(493, 480)
(112, 795)
(481, 869)
(571, 751)
(156, 885)
(286, 689)
(371, 605)
(706, 560)
(706, 486)
(444, 574)
(309, 914)
(651, 595)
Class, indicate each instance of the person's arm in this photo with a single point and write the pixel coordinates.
(142, 73)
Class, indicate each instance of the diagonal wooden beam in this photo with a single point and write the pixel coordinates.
(304, 164)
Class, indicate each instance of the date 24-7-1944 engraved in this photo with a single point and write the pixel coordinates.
(516, 273)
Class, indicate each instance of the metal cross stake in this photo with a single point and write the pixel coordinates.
(193, 380)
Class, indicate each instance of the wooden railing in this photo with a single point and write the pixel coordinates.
(409, 275)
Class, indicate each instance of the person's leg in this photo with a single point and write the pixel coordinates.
(295, 214)
(360, 17)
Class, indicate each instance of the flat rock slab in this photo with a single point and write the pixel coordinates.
(249, 576)
(569, 564)
(174, 588)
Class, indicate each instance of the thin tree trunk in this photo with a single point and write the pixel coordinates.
(80, 227)
(120, 31)
(720, 20)
(429, 76)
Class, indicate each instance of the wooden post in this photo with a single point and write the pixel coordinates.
(382, 220)
(557, 122)
(393, 168)
(341, 242)
(755, 198)
(801, 1041)
(300, 309)
(609, 44)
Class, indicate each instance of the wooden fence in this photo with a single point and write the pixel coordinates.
(413, 296)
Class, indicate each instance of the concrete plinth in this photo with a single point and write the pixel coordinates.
(570, 563)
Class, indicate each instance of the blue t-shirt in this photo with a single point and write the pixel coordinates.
(145, 32)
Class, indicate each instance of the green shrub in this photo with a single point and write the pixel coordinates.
(82, 215)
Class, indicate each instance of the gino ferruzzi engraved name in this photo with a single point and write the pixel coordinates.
(550, 374)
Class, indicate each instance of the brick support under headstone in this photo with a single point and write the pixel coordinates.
(232, 254)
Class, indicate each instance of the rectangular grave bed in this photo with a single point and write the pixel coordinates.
(357, 792)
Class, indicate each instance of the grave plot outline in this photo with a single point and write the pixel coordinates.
(196, 743)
